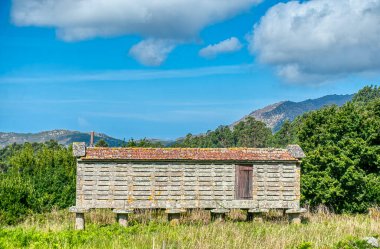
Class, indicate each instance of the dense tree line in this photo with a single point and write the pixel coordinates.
(35, 179)
(341, 170)
(142, 143)
(133, 143)
(342, 167)
(248, 133)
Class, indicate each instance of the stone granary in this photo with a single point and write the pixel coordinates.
(177, 179)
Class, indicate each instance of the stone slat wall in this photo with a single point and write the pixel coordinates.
(179, 185)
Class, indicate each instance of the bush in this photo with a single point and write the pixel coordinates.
(39, 177)
(353, 243)
(16, 196)
(343, 157)
(305, 245)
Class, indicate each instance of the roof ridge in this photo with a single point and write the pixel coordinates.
(187, 148)
(194, 154)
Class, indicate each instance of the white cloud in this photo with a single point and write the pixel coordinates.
(160, 19)
(227, 46)
(318, 40)
(151, 52)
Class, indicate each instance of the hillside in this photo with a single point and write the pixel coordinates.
(274, 115)
(64, 137)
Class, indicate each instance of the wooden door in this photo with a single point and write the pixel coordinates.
(243, 189)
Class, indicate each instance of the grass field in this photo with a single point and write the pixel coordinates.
(150, 230)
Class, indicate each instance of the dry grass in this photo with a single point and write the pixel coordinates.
(374, 213)
(149, 229)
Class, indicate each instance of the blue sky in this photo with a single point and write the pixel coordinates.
(165, 70)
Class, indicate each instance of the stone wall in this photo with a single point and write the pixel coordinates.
(102, 184)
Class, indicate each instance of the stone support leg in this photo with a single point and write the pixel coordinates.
(256, 214)
(122, 219)
(295, 218)
(122, 216)
(294, 215)
(79, 217)
(174, 216)
(79, 221)
(219, 215)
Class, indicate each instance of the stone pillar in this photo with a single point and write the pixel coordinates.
(219, 214)
(122, 216)
(79, 217)
(174, 215)
(294, 218)
(294, 215)
(79, 221)
(256, 214)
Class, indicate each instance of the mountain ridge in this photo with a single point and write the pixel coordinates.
(276, 114)
(64, 137)
(273, 116)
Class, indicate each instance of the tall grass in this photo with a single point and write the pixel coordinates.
(149, 229)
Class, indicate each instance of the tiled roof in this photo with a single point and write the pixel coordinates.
(196, 154)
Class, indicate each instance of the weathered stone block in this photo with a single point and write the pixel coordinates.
(296, 151)
(79, 149)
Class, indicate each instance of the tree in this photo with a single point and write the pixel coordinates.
(142, 143)
(367, 94)
(252, 133)
(286, 135)
(343, 156)
(38, 178)
(247, 133)
(101, 143)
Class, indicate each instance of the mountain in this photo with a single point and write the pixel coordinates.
(275, 115)
(64, 137)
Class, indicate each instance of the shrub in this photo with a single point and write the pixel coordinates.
(16, 196)
(39, 177)
(353, 243)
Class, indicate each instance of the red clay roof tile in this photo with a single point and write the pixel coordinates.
(196, 154)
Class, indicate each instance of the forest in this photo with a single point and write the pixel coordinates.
(341, 170)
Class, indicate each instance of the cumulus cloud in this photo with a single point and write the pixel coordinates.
(317, 40)
(154, 20)
(168, 19)
(227, 46)
(152, 52)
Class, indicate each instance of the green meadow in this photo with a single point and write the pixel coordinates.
(151, 230)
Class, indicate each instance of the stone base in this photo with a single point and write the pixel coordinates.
(79, 217)
(174, 215)
(122, 216)
(294, 215)
(256, 214)
(219, 214)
